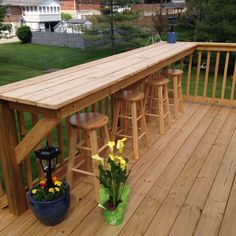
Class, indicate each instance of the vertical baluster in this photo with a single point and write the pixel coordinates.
(225, 75)
(61, 144)
(198, 72)
(173, 65)
(94, 107)
(233, 82)
(216, 74)
(34, 118)
(49, 138)
(22, 130)
(100, 106)
(181, 64)
(207, 73)
(107, 106)
(68, 131)
(189, 73)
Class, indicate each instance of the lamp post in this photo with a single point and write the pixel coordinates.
(48, 160)
(171, 35)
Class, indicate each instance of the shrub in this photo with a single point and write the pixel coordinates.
(24, 34)
(66, 16)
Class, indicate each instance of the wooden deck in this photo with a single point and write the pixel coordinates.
(183, 185)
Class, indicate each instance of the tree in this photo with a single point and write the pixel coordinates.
(115, 25)
(211, 20)
(66, 16)
(3, 10)
(218, 21)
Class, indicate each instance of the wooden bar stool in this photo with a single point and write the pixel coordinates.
(176, 76)
(125, 102)
(157, 101)
(88, 123)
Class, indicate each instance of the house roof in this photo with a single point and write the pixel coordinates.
(22, 2)
(78, 21)
(173, 5)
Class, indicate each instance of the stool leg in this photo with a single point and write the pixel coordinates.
(87, 152)
(176, 103)
(135, 129)
(117, 105)
(72, 152)
(144, 125)
(167, 106)
(180, 94)
(94, 150)
(161, 112)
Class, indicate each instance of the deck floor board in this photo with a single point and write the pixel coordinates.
(184, 184)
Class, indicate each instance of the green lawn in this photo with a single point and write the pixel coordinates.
(22, 61)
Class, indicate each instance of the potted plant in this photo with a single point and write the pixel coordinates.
(50, 199)
(113, 192)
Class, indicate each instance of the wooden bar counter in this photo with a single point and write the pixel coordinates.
(58, 95)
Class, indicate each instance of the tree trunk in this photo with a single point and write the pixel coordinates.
(112, 28)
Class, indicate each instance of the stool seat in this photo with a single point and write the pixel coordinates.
(89, 120)
(159, 82)
(129, 95)
(174, 72)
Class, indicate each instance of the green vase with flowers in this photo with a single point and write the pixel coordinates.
(114, 191)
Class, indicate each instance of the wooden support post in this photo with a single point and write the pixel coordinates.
(15, 188)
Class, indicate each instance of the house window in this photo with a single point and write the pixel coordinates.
(51, 9)
(27, 8)
(40, 9)
(44, 9)
(58, 9)
(31, 9)
(35, 8)
(8, 11)
(55, 9)
(47, 9)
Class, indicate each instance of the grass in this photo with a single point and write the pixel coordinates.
(22, 61)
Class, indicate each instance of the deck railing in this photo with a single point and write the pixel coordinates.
(210, 76)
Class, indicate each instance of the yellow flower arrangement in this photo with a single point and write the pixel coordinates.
(113, 170)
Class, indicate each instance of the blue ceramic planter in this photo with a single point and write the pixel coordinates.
(51, 212)
(171, 37)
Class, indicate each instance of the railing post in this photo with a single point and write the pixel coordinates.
(15, 188)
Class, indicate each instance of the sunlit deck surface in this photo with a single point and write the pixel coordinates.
(183, 184)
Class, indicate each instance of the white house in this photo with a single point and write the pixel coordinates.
(40, 15)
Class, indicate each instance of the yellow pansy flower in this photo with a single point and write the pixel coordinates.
(34, 191)
(111, 145)
(51, 190)
(57, 189)
(98, 158)
(58, 183)
(122, 164)
(120, 145)
(111, 156)
(108, 167)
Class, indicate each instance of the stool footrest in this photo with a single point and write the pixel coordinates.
(124, 135)
(82, 172)
(141, 135)
(102, 148)
(80, 146)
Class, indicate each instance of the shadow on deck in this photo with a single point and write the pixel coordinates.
(183, 185)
